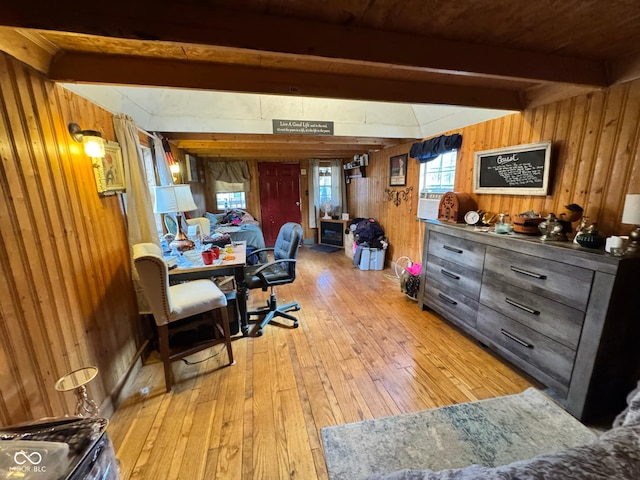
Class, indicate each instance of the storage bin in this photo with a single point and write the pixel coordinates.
(348, 244)
(372, 259)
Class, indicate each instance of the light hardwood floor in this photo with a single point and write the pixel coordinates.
(363, 350)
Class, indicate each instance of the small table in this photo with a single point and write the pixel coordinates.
(191, 267)
(76, 381)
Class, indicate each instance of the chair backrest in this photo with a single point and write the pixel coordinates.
(154, 276)
(287, 244)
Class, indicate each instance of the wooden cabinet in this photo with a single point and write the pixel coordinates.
(561, 313)
(355, 172)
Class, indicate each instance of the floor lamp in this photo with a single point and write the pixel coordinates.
(175, 199)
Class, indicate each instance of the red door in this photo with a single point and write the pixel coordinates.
(279, 197)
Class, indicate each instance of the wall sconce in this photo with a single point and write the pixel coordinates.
(91, 139)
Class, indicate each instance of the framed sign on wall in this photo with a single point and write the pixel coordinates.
(518, 170)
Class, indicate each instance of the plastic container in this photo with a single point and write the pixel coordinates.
(372, 259)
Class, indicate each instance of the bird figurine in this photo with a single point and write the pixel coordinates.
(571, 213)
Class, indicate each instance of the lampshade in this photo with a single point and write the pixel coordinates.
(93, 146)
(631, 211)
(173, 198)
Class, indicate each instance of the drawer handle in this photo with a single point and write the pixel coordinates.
(447, 299)
(521, 307)
(515, 339)
(449, 274)
(528, 273)
(452, 249)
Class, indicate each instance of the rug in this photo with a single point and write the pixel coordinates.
(489, 432)
(326, 248)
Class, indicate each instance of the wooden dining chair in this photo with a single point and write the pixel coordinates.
(173, 304)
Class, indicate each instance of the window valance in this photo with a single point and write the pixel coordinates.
(430, 149)
(230, 176)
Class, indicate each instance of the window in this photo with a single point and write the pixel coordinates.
(324, 184)
(439, 174)
(225, 201)
(150, 173)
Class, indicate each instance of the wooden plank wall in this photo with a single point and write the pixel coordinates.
(596, 161)
(67, 299)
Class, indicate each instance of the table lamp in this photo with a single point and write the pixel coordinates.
(175, 199)
(631, 214)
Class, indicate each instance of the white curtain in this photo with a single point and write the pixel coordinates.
(141, 225)
(164, 173)
(338, 189)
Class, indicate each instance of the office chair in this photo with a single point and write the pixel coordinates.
(169, 304)
(280, 271)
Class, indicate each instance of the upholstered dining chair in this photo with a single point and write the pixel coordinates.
(172, 304)
(281, 270)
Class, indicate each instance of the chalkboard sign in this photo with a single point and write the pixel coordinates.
(519, 170)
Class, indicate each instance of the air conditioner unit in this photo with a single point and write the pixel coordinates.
(428, 206)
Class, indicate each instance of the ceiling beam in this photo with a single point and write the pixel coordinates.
(184, 138)
(625, 70)
(273, 154)
(199, 23)
(126, 70)
(27, 48)
(195, 146)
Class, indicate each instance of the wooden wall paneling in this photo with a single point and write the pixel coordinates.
(604, 154)
(84, 238)
(592, 141)
(572, 149)
(632, 176)
(65, 260)
(24, 255)
(555, 130)
(595, 160)
(616, 132)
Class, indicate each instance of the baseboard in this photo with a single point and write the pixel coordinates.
(110, 404)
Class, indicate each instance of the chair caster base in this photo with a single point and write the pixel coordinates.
(259, 332)
(295, 325)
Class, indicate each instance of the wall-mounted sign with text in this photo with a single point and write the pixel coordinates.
(302, 127)
(518, 170)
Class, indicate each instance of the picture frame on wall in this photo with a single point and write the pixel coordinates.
(192, 168)
(398, 170)
(109, 170)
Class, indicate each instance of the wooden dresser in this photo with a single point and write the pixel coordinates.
(567, 316)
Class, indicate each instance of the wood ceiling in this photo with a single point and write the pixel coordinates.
(501, 54)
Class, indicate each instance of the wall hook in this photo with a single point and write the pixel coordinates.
(397, 196)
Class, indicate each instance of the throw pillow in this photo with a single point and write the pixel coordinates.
(631, 414)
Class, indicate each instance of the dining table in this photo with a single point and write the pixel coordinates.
(190, 265)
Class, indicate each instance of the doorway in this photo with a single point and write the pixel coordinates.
(279, 184)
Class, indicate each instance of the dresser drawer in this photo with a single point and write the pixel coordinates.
(555, 320)
(462, 278)
(564, 283)
(549, 356)
(450, 303)
(463, 252)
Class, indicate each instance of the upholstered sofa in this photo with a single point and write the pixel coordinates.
(614, 455)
